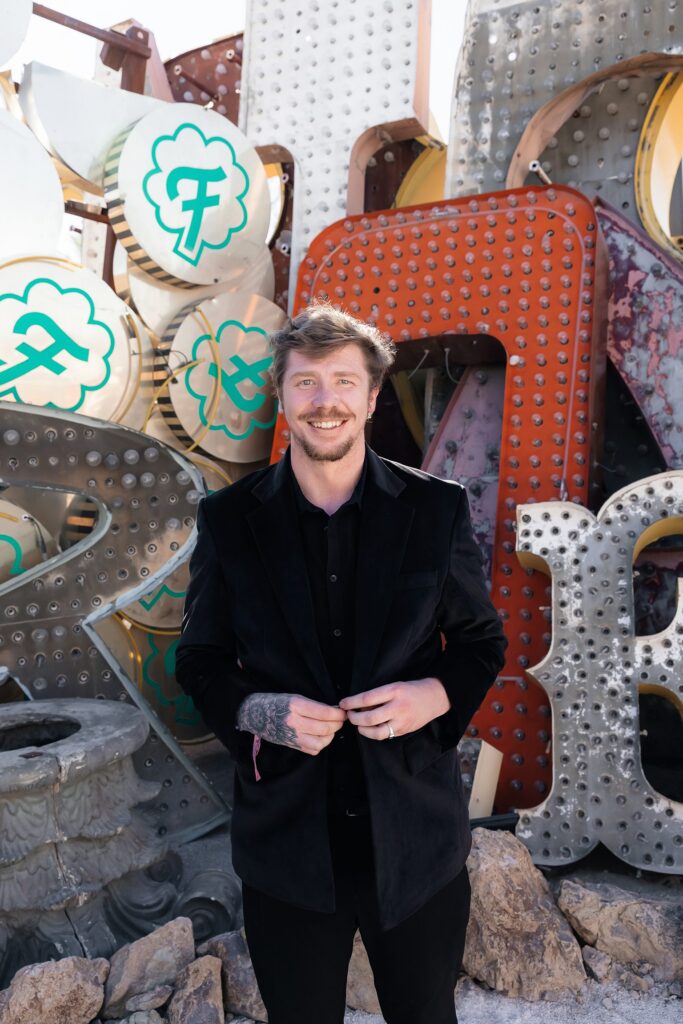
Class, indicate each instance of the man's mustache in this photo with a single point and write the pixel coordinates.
(334, 414)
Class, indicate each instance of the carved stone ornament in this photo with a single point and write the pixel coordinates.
(69, 815)
(82, 868)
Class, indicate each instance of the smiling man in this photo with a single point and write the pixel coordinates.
(338, 637)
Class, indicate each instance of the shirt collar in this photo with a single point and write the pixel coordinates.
(302, 502)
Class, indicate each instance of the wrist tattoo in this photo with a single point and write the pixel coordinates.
(265, 714)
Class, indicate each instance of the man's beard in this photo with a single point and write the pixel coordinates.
(326, 454)
(331, 455)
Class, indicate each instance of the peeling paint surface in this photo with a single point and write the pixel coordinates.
(466, 448)
(645, 328)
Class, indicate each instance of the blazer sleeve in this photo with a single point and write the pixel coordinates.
(475, 643)
(207, 667)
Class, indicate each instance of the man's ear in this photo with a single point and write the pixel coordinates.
(372, 402)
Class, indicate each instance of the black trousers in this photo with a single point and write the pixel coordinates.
(301, 957)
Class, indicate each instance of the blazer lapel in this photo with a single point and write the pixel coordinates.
(384, 531)
(278, 538)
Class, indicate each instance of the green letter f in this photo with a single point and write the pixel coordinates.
(202, 201)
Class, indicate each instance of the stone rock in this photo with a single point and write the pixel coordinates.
(198, 998)
(149, 1000)
(360, 986)
(139, 1017)
(626, 926)
(517, 941)
(241, 995)
(598, 965)
(143, 965)
(634, 982)
(67, 991)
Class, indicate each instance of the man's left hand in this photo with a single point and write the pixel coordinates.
(406, 706)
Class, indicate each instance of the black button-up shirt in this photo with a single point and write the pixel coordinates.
(330, 548)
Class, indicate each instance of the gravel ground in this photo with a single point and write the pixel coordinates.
(475, 1005)
(600, 1004)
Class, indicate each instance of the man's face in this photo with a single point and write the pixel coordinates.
(327, 401)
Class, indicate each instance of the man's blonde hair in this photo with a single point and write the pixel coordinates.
(321, 328)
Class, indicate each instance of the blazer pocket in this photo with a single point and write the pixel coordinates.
(274, 759)
(420, 749)
(408, 580)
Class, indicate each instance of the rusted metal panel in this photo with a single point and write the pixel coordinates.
(645, 327)
(210, 74)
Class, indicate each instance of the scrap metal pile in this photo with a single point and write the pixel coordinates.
(531, 273)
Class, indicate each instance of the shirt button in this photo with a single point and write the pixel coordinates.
(336, 632)
(333, 578)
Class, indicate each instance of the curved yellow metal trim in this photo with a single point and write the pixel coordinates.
(425, 181)
(409, 407)
(118, 623)
(658, 157)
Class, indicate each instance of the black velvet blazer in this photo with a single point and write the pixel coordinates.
(249, 627)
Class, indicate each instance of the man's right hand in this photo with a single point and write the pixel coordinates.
(290, 720)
